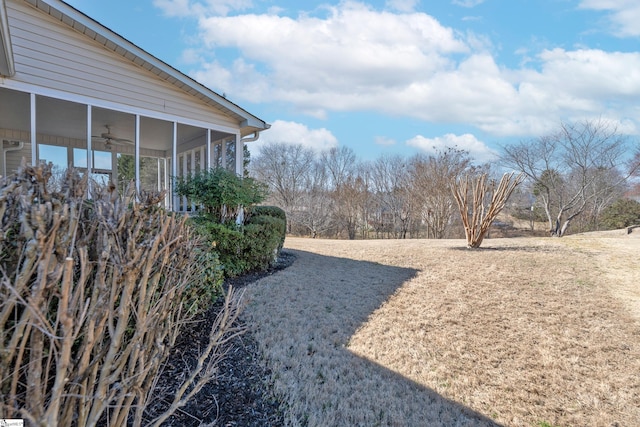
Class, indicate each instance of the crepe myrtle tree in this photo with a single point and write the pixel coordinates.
(480, 201)
(563, 166)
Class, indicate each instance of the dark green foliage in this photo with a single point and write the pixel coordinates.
(271, 232)
(253, 246)
(621, 214)
(220, 192)
(275, 212)
(549, 180)
(246, 159)
(206, 287)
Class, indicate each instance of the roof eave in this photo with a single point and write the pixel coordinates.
(113, 41)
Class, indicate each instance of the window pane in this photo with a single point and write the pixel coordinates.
(149, 173)
(54, 154)
(79, 158)
(102, 160)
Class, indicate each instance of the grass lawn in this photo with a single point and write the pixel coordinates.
(524, 332)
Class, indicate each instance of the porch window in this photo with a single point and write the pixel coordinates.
(102, 169)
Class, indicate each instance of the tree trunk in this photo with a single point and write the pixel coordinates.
(478, 218)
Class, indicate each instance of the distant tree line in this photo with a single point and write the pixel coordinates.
(572, 177)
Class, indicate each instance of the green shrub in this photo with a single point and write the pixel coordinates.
(220, 192)
(622, 213)
(275, 212)
(267, 233)
(206, 286)
(253, 246)
(225, 241)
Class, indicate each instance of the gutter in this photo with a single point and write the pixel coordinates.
(255, 137)
(7, 67)
(256, 134)
(18, 147)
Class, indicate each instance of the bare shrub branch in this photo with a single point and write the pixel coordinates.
(91, 302)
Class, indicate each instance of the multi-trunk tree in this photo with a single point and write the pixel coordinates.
(480, 201)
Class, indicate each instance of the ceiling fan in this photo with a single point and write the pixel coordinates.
(110, 139)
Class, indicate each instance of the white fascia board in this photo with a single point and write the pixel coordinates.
(7, 67)
(97, 31)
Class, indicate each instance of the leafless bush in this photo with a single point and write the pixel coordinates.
(91, 301)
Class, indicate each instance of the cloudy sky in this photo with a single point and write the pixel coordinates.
(400, 76)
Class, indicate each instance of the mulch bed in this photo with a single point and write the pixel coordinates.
(240, 395)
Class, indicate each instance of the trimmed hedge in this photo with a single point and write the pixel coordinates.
(275, 212)
(206, 287)
(242, 249)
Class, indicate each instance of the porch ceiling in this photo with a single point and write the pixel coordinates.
(56, 117)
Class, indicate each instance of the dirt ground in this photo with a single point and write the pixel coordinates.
(523, 332)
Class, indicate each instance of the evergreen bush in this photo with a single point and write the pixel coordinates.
(622, 213)
(242, 249)
(275, 212)
(220, 192)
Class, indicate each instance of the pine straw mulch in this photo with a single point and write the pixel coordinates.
(240, 395)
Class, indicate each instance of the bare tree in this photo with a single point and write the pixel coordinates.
(340, 164)
(390, 181)
(430, 183)
(314, 211)
(563, 167)
(346, 188)
(606, 187)
(284, 168)
(634, 171)
(487, 200)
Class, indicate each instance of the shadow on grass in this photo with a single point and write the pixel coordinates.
(488, 248)
(303, 318)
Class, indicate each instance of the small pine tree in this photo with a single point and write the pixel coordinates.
(622, 213)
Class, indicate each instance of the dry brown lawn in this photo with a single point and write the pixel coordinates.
(524, 332)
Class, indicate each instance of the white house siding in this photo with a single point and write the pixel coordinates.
(49, 54)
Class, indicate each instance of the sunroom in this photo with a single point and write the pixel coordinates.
(74, 93)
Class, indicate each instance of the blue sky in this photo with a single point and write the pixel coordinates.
(400, 76)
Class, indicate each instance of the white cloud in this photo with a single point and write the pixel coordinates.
(328, 63)
(190, 56)
(296, 133)
(477, 149)
(356, 58)
(174, 7)
(624, 15)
